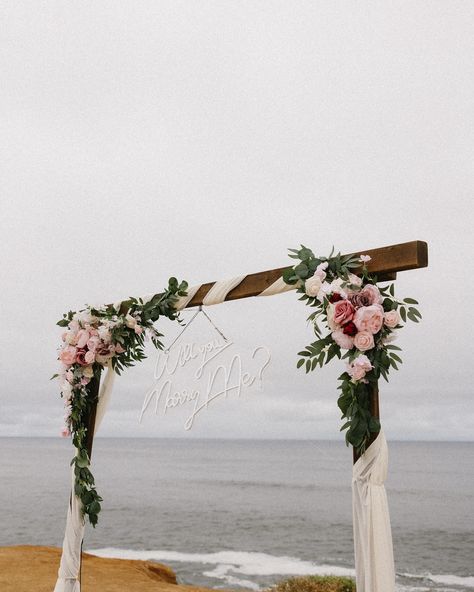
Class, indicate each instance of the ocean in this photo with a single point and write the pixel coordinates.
(247, 513)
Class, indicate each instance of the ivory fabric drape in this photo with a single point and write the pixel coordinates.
(70, 565)
(375, 571)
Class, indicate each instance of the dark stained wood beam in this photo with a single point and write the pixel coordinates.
(385, 263)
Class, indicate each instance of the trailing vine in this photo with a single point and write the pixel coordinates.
(93, 339)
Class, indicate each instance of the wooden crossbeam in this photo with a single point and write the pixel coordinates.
(385, 263)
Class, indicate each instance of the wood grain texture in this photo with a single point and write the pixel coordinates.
(385, 263)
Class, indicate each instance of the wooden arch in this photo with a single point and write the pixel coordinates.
(385, 263)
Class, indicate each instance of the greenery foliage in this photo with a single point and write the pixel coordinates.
(126, 326)
(315, 584)
(348, 275)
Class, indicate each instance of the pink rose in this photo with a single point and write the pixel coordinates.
(364, 340)
(369, 318)
(82, 338)
(68, 355)
(356, 372)
(65, 433)
(89, 357)
(392, 318)
(343, 312)
(344, 341)
(81, 357)
(321, 270)
(373, 293)
(359, 367)
(70, 338)
(93, 343)
(138, 329)
(363, 361)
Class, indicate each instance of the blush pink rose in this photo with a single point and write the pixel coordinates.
(392, 318)
(82, 338)
(363, 361)
(68, 355)
(89, 357)
(369, 318)
(93, 343)
(364, 340)
(321, 270)
(356, 372)
(344, 341)
(373, 293)
(343, 312)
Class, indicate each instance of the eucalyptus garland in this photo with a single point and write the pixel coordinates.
(360, 322)
(93, 339)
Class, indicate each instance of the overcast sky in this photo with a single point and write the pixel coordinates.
(202, 139)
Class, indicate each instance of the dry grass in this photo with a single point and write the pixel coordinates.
(315, 584)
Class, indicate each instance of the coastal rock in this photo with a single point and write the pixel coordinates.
(31, 568)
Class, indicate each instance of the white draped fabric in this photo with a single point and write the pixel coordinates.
(69, 568)
(375, 571)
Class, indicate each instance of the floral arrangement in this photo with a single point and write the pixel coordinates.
(93, 339)
(361, 321)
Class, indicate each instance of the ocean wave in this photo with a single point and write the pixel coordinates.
(236, 567)
(231, 564)
(444, 579)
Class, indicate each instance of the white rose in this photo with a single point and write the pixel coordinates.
(312, 286)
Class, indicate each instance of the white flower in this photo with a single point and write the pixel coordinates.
(130, 321)
(104, 333)
(365, 258)
(66, 389)
(336, 286)
(325, 290)
(355, 280)
(84, 317)
(312, 286)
